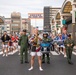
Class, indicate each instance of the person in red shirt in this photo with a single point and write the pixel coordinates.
(10, 44)
(14, 38)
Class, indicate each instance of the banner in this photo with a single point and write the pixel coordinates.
(35, 15)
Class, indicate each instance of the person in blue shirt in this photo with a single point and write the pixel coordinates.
(54, 43)
(64, 37)
(57, 37)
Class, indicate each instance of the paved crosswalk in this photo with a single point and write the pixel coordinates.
(10, 53)
(55, 53)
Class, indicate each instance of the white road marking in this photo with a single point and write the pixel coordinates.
(62, 52)
(54, 53)
(1, 52)
(74, 53)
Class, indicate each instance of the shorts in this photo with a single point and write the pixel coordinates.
(36, 53)
(14, 44)
(10, 46)
(18, 47)
(61, 46)
(4, 46)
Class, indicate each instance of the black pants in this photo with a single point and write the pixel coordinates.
(48, 58)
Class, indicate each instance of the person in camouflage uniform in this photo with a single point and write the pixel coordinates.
(69, 44)
(23, 42)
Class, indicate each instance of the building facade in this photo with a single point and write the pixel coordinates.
(66, 18)
(15, 22)
(2, 25)
(8, 25)
(49, 12)
(47, 19)
(26, 24)
(53, 11)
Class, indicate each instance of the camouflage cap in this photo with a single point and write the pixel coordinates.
(24, 30)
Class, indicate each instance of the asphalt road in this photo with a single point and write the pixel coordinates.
(58, 66)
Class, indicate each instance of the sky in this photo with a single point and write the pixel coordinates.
(27, 6)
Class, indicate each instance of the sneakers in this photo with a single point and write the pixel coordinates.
(4, 55)
(40, 69)
(69, 62)
(65, 55)
(30, 69)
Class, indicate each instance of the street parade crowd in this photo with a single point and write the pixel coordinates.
(37, 44)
